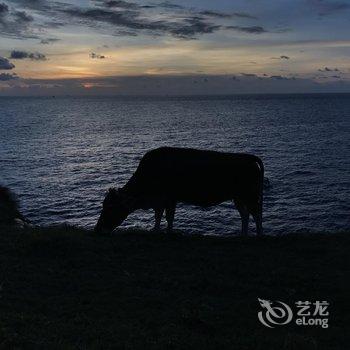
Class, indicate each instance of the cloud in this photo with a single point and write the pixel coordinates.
(209, 13)
(193, 26)
(7, 76)
(4, 9)
(48, 41)
(169, 5)
(282, 57)
(131, 18)
(117, 18)
(23, 17)
(118, 4)
(266, 76)
(326, 7)
(187, 27)
(249, 75)
(250, 30)
(280, 77)
(34, 56)
(15, 24)
(5, 64)
(327, 69)
(18, 54)
(132, 5)
(96, 55)
(33, 4)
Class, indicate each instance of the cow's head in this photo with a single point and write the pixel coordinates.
(117, 205)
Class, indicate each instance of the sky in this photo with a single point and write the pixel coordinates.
(179, 47)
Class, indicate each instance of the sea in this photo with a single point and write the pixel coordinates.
(61, 154)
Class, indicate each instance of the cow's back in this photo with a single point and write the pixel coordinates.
(197, 176)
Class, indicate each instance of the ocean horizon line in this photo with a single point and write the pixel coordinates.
(171, 96)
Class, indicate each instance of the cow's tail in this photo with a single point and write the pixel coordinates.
(261, 182)
(261, 193)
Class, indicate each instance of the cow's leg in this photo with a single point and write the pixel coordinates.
(258, 222)
(256, 211)
(158, 214)
(169, 215)
(243, 211)
(257, 215)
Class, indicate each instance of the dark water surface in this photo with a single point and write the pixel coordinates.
(61, 154)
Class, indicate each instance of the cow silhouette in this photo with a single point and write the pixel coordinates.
(166, 176)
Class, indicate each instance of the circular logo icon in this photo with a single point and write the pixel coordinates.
(274, 313)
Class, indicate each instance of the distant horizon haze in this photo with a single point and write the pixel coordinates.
(176, 85)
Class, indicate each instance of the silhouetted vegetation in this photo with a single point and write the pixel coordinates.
(64, 288)
(9, 208)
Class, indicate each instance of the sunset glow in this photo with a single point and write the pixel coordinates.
(305, 41)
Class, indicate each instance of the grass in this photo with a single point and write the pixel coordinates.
(66, 288)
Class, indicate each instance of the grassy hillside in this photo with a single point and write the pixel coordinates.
(69, 289)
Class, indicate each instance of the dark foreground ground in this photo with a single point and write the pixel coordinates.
(68, 289)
